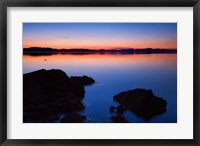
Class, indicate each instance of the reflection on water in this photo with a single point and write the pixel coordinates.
(114, 74)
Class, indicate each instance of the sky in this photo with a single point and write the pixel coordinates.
(100, 35)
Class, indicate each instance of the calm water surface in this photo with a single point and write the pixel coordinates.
(114, 74)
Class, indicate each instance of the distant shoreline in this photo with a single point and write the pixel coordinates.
(48, 51)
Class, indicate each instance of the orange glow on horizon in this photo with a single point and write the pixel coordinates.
(100, 35)
(100, 46)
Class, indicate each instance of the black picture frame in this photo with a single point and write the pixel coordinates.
(4, 4)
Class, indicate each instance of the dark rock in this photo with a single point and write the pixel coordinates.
(69, 106)
(142, 102)
(45, 84)
(73, 118)
(84, 80)
(121, 109)
(112, 109)
(49, 92)
(40, 117)
(119, 118)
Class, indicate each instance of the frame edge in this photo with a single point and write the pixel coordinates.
(3, 73)
(196, 109)
(3, 84)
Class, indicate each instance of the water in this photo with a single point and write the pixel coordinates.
(114, 74)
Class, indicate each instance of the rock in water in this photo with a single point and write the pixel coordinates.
(84, 80)
(142, 102)
(49, 92)
(119, 118)
(121, 109)
(112, 109)
(73, 118)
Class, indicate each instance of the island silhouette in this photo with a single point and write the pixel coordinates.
(51, 51)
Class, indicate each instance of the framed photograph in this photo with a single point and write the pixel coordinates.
(97, 72)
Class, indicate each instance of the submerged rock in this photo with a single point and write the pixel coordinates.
(118, 114)
(121, 109)
(112, 109)
(49, 92)
(142, 102)
(119, 118)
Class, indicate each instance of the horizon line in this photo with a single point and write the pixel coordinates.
(102, 48)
